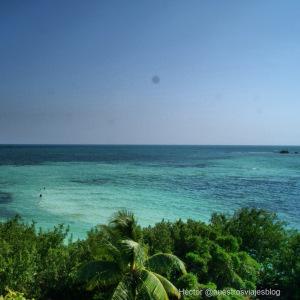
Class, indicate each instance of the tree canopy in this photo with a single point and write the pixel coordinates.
(250, 249)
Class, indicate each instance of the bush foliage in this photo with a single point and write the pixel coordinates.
(250, 249)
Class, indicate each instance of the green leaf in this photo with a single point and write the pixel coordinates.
(124, 223)
(135, 251)
(124, 290)
(168, 286)
(151, 286)
(163, 263)
(100, 272)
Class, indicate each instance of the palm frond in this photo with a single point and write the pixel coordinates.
(111, 248)
(168, 286)
(124, 290)
(125, 225)
(110, 234)
(150, 287)
(164, 263)
(100, 273)
(134, 251)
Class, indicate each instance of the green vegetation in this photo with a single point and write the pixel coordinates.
(11, 295)
(251, 249)
(123, 264)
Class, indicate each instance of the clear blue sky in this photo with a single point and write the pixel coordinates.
(81, 72)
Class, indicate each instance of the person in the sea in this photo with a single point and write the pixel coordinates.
(41, 194)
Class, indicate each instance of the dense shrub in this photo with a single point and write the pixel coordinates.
(250, 249)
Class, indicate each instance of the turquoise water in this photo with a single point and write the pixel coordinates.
(83, 185)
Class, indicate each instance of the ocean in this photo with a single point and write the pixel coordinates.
(82, 186)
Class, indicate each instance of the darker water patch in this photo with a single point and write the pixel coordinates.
(191, 165)
(7, 213)
(93, 181)
(5, 198)
(20, 155)
(4, 182)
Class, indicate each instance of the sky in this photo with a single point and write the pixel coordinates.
(150, 72)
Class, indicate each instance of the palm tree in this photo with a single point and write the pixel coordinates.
(125, 264)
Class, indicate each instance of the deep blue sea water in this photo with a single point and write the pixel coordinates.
(83, 185)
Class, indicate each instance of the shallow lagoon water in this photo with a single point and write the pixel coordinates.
(85, 185)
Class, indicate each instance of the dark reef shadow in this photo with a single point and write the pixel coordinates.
(6, 213)
(5, 198)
